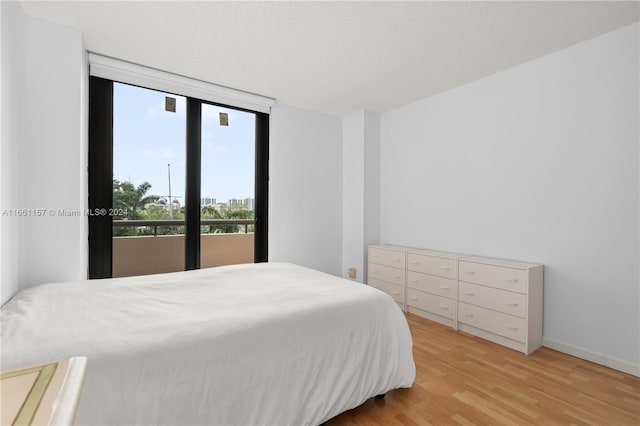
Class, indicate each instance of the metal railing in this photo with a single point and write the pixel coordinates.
(203, 222)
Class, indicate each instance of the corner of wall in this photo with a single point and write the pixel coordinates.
(361, 189)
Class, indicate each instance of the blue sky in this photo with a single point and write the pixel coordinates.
(146, 138)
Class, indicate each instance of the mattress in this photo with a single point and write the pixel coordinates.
(258, 344)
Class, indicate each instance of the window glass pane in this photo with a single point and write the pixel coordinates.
(148, 181)
(227, 186)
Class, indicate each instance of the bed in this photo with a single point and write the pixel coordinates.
(258, 344)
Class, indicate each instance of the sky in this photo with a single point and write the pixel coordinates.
(146, 138)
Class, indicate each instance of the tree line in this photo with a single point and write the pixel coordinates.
(131, 202)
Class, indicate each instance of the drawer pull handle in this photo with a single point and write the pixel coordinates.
(396, 276)
(469, 272)
(415, 262)
(397, 293)
(413, 280)
(468, 293)
(445, 268)
(511, 303)
(397, 260)
(414, 298)
(444, 307)
(444, 287)
(375, 255)
(512, 327)
(469, 315)
(512, 280)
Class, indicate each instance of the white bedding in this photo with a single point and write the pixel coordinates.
(259, 344)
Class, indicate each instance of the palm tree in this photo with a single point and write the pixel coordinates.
(129, 199)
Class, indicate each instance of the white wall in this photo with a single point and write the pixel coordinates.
(53, 153)
(353, 193)
(305, 188)
(12, 20)
(360, 189)
(372, 183)
(537, 163)
(46, 138)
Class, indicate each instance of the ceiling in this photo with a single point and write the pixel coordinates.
(335, 57)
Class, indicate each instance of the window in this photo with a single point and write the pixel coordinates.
(175, 182)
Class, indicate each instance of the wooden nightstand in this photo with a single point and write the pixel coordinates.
(45, 394)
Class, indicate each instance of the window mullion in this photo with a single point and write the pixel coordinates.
(192, 190)
(100, 176)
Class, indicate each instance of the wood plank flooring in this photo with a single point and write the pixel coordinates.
(464, 380)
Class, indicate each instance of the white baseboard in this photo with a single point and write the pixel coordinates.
(598, 358)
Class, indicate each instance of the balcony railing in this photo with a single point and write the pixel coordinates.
(167, 222)
(152, 254)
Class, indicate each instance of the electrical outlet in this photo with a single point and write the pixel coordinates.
(352, 273)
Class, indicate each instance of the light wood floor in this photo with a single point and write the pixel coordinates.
(464, 380)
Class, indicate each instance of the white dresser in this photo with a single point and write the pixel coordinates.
(501, 301)
(386, 271)
(498, 300)
(432, 285)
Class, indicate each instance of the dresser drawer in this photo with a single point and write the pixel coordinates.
(395, 291)
(493, 276)
(507, 302)
(431, 303)
(444, 287)
(438, 266)
(387, 257)
(492, 321)
(386, 273)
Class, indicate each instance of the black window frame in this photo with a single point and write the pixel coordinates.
(100, 168)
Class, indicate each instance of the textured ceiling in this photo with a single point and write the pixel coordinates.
(335, 57)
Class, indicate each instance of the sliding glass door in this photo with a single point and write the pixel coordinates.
(187, 182)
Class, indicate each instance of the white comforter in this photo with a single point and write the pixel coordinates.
(260, 344)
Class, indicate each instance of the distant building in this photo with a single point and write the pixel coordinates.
(208, 201)
(247, 203)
